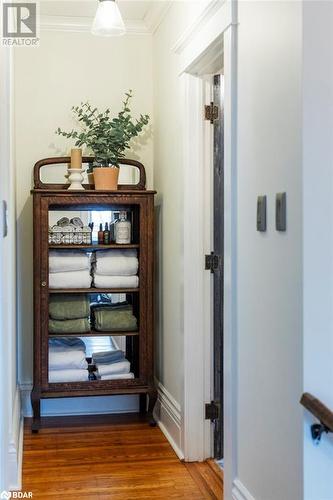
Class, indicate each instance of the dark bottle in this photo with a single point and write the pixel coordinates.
(106, 235)
(100, 235)
(112, 227)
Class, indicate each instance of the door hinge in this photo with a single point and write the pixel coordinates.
(212, 411)
(211, 112)
(212, 262)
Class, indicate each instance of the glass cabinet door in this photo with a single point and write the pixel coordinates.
(93, 292)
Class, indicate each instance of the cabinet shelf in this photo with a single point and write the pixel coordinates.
(96, 333)
(93, 246)
(94, 290)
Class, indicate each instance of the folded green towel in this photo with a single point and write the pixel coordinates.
(69, 306)
(112, 319)
(69, 325)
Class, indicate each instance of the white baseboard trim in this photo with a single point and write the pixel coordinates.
(239, 492)
(92, 405)
(168, 416)
(15, 448)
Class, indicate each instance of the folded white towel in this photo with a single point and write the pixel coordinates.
(68, 376)
(116, 281)
(117, 376)
(64, 360)
(70, 279)
(117, 262)
(113, 368)
(62, 260)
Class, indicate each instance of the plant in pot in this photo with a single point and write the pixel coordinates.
(107, 138)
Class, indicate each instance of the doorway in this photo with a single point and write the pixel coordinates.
(217, 108)
(206, 53)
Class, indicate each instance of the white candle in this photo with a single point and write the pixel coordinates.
(76, 158)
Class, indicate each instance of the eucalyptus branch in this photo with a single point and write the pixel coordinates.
(106, 137)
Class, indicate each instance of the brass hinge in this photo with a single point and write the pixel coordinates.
(212, 262)
(212, 411)
(211, 112)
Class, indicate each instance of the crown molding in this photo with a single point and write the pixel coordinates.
(83, 24)
(77, 24)
(155, 14)
(207, 13)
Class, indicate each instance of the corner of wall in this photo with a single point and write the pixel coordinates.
(168, 416)
(15, 447)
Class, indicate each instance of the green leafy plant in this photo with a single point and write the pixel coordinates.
(106, 137)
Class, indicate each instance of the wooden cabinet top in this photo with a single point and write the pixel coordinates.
(93, 192)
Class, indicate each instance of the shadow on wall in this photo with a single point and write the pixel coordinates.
(159, 330)
(133, 153)
(138, 143)
(25, 291)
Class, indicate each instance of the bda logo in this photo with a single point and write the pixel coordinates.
(5, 495)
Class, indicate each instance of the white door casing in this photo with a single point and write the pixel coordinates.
(203, 45)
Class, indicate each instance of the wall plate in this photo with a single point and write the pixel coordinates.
(281, 211)
(4, 210)
(261, 213)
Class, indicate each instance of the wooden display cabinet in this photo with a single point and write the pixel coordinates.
(139, 344)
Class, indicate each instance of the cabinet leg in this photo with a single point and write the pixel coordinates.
(143, 403)
(35, 402)
(151, 405)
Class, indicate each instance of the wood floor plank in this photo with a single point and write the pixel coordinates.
(113, 460)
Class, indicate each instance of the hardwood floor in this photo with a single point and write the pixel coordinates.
(107, 458)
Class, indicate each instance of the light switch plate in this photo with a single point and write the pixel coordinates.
(261, 213)
(4, 218)
(281, 212)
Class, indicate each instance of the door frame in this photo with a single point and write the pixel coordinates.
(218, 22)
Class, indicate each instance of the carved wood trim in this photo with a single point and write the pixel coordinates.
(38, 184)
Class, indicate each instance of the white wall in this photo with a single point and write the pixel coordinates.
(66, 69)
(318, 236)
(269, 363)
(168, 181)
(9, 396)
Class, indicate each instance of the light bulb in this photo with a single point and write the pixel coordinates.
(108, 20)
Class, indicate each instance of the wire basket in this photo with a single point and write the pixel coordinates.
(70, 235)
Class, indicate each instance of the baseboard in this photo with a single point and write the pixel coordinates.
(93, 405)
(239, 492)
(15, 449)
(168, 416)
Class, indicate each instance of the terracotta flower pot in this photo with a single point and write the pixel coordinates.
(106, 178)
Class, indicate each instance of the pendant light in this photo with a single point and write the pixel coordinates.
(108, 20)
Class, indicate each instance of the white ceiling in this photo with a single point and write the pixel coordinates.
(76, 15)
(130, 10)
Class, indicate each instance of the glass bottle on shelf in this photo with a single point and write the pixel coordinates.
(123, 229)
(100, 235)
(115, 217)
(106, 235)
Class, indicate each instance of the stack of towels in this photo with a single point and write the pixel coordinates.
(67, 360)
(112, 365)
(108, 317)
(116, 269)
(69, 269)
(69, 313)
